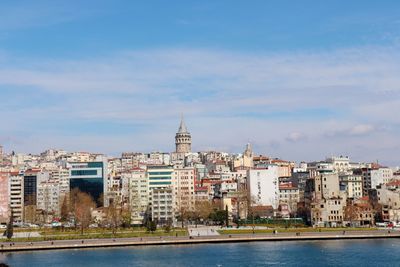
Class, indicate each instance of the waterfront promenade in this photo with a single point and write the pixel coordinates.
(168, 240)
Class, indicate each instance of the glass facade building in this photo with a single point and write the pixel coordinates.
(30, 189)
(90, 178)
(159, 176)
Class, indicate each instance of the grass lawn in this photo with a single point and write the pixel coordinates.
(73, 231)
(94, 235)
(290, 230)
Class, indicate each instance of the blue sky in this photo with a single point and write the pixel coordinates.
(301, 80)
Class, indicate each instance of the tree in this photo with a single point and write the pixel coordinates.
(65, 209)
(218, 216)
(168, 226)
(126, 217)
(83, 205)
(242, 200)
(151, 226)
(30, 209)
(184, 214)
(226, 216)
(113, 216)
(10, 226)
(30, 214)
(203, 210)
(351, 213)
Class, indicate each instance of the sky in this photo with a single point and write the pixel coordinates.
(299, 80)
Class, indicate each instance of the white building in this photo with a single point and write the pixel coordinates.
(372, 177)
(162, 206)
(135, 191)
(353, 185)
(48, 197)
(263, 186)
(381, 176)
(340, 164)
(17, 195)
(161, 192)
(61, 176)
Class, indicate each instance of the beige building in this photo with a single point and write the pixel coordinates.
(289, 195)
(328, 202)
(184, 183)
(284, 167)
(244, 161)
(388, 198)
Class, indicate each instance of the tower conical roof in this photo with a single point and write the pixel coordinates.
(249, 151)
(182, 126)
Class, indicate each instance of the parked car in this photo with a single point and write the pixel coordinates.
(56, 224)
(382, 224)
(68, 225)
(93, 225)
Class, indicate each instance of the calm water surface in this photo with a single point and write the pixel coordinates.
(377, 252)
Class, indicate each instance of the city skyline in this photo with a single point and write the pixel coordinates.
(298, 83)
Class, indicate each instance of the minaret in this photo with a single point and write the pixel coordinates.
(248, 152)
(183, 139)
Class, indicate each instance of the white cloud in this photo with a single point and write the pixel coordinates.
(25, 14)
(296, 137)
(361, 129)
(228, 98)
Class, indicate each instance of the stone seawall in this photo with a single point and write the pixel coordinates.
(123, 242)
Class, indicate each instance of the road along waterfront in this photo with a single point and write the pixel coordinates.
(168, 240)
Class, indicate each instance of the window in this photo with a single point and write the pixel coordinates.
(83, 172)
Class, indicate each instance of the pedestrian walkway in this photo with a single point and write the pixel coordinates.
(203, 231)
(23, 235)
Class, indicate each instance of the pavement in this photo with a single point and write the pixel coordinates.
(171, 240)
(23, 235)
(203, 231)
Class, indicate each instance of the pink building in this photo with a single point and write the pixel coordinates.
(4, 199)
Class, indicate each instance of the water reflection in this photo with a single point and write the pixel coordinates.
(305, 253)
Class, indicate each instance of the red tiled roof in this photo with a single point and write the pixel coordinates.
(279, 160)
(394, 183)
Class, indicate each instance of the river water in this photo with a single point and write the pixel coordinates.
(377, 252)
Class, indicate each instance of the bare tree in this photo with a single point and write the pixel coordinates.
(126, 216)
(203, 209)
(113, 216)
(351, 212)
(83, 205)
(184, 215)
(30, 208)
(65, 209)
(242, 201)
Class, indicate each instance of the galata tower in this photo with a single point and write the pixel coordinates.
(183, 139)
